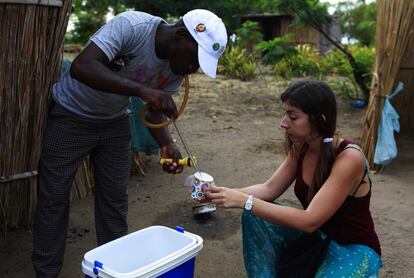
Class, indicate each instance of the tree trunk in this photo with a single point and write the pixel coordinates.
(117, 5)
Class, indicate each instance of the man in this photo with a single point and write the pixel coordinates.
(135, 54)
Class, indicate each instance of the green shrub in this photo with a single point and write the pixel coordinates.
(364, 58)
(335, 63)
(346, 87)
(306, 62)
(274, 50)
(237, 63)
(284, 68)
(248, 35)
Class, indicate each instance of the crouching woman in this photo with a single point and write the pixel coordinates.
(333, 234)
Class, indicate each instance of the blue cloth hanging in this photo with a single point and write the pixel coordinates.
(386, 148)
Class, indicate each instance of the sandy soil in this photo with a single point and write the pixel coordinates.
(232, 128)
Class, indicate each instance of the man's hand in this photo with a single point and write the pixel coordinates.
(167, 147)
(160, 101)
(171, 151)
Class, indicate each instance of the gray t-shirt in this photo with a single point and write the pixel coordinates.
(128, 40)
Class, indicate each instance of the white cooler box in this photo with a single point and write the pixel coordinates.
(156, 251)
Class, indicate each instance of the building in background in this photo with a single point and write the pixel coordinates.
(278, 25)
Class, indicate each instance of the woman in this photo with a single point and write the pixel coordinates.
(331, 182)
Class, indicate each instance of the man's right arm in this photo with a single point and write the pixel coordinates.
(91, 67)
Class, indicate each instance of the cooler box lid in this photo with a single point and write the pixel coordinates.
(149, 252)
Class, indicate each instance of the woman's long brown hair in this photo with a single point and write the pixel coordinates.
(317, 100)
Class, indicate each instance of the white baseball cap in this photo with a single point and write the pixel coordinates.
(211, 35)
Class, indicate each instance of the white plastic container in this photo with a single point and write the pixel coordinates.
(156, 251)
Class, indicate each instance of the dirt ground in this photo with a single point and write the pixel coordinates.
(232, 128)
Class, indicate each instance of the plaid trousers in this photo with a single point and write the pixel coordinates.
(67, 140)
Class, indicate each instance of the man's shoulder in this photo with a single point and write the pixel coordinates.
(136, 17)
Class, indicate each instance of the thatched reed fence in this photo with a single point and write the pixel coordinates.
(394, 39)
(31, 44)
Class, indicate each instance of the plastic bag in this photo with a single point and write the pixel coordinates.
(386, 148)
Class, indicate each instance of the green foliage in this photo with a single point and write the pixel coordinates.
(305, 12)
(335, 62)
(237, 63)
(276, 49)
(315, 14)
(227, 10)
(346, 88)
(248, 35)
(306, 62)
(89, 16)
(358, 21)
(364, 58)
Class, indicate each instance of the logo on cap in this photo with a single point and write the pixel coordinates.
(216, 46)
(200, 28)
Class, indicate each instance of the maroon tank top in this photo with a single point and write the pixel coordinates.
(352, 223)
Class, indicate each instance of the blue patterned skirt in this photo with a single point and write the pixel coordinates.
(263, 243)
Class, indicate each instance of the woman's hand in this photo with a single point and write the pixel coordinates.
(225, 197)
